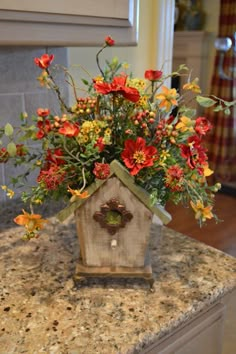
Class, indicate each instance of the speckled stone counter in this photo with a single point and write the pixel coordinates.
(42, 311)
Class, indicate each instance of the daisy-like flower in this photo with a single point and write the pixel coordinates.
(137, 155)
(168, 98)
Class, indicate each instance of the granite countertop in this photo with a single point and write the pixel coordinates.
(42, 311)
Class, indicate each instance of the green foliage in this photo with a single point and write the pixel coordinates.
(11, 149)
(8, 130)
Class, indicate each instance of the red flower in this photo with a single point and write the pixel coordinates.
(174, 178)
(100, 144)
(153, 75)
(109, 41)
(101, 170)
(137, 155)
(202, 125)
(55, 157)
(44, 128)
(194, 153)
(43, 112)
(4, 155)
(52, 177)
(44, 61)
(118, 85)
(20, 150)
(69, 129)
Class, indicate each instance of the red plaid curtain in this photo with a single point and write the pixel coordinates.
(222, 141)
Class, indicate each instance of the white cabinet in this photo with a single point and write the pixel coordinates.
(68, 22)
(201, 335)
(192, 48)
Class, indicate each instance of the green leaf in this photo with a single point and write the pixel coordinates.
(231, 103)
(205, 101)
(227, 111)
(85, 82)
(8, 129)
(218, 108)
(11, 149)
(183, 67)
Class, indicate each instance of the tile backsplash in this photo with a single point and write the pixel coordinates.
(21, 92)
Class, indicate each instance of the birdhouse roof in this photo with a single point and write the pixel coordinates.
(119, 171)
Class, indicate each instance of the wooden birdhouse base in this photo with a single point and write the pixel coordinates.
(83, 272)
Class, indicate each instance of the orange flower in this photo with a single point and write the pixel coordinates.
(45, 61)
(168, 98)
(69, 129)
(118, 86)
(185, 124)
(76, 193)
(32, 222)
(192, 86)
(43, 112)
(201, 212)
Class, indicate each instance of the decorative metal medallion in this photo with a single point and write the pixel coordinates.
(113, 216)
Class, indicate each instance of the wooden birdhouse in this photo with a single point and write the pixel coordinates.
(113, 226)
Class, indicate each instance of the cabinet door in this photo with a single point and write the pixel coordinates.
(68, 22)
(201, 335)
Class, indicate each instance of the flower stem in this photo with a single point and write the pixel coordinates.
(97, 60)
(58, 92)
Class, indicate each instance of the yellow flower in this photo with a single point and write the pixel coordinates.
(143, 101)
(98, 79)
(87, 126)
(139, 84)
(192, 86)
(163, 156)
(97, 130)
(201, 212)
(185, 124)
(207, 171)
(125, 66)
(44, 79)
(9, 192)
(168, 98)
(85, 139)
(108, 131)
(32, 222)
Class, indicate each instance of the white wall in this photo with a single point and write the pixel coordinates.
(152, 50)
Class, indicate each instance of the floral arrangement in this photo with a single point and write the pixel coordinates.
(121, 117)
